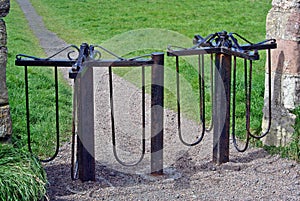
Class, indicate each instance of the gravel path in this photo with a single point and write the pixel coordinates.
(189, 172)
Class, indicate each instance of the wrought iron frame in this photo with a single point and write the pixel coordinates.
(88, 56)
(221, 44)
(224, 45)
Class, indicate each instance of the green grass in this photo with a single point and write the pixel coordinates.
(22, 177)
(41, 91)
(95, 21)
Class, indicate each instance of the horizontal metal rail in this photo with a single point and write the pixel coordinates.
(43, 63)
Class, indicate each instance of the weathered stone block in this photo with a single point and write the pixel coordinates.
(282, 120)
(4, 7)
(5, 119)
(5, 123)
(283, 25)
(284, 5)
(3, 35)
(281, 130)
(3, 88)
(290, 91)
(286, 58)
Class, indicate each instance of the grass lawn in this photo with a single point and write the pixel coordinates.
(95, 21)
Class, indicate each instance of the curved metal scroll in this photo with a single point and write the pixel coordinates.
(56, 113)
(113, 122)
(69, 54)
(202, 100)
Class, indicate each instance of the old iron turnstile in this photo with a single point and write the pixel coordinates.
(224, 50)
(88, 57)
(224, 47)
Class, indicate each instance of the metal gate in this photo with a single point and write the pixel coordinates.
(223, 49)
(83, 161)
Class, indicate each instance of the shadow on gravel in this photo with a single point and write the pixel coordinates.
(181, 174)
(61, 185)
(250, 156)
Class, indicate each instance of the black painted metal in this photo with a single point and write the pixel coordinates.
(83, 161)
(28, 114)
(26, 61)
(269, 101)
(225, 46)
(211, 92)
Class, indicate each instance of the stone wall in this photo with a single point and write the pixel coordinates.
(283, 24)
(5, 119)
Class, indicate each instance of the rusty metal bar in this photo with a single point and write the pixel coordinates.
(157, 113)
(221, 114)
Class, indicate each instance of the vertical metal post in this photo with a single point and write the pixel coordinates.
(157, 113)
(221, 113)
(85, 112)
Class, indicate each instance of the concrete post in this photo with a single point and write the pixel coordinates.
(283, 24)
(5, 119)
